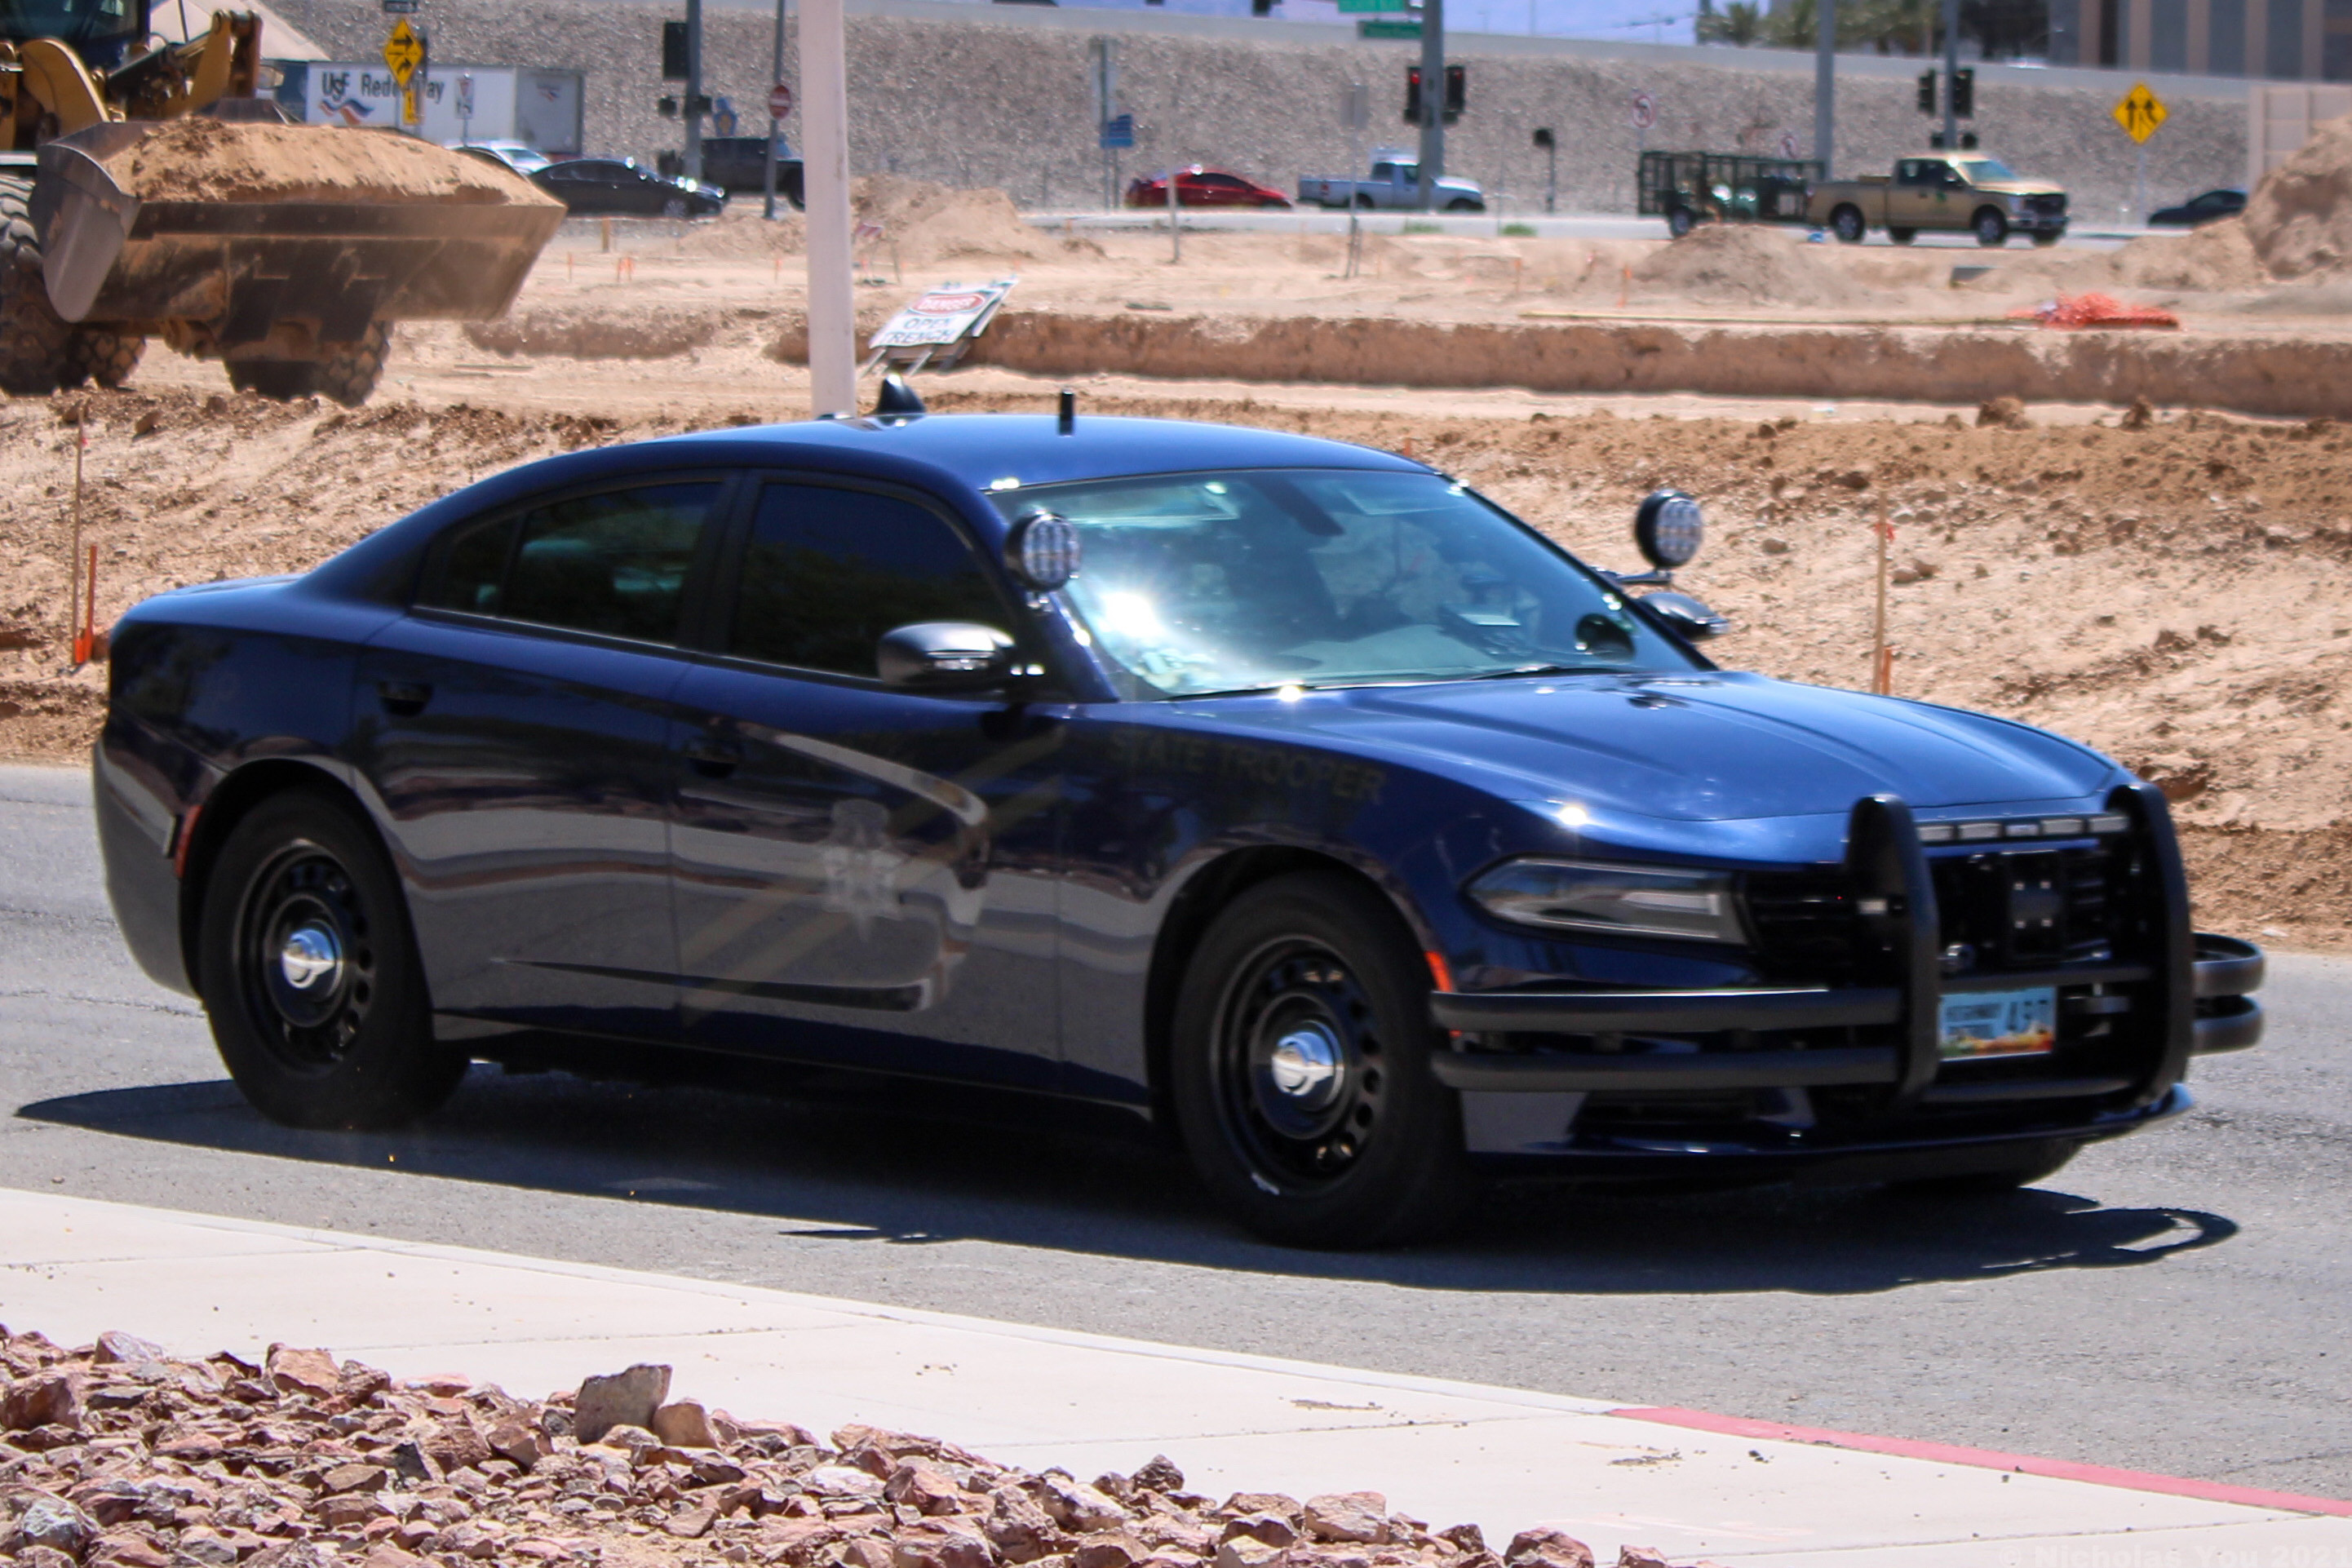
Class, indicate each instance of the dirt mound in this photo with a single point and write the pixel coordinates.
(2300, 217)
(744, 236)
(593, 334)
(1754, 265)
(2216, 258)
(213, 161)
(926, 222)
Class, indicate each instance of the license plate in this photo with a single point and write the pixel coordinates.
(1999, 1024)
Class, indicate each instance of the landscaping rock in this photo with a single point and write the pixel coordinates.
(621, 1399)
(1361, 1517)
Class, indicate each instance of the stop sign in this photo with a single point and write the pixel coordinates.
(780, 100)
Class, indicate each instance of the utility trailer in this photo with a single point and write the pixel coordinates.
(1687, 189)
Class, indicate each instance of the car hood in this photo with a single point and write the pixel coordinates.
(1448, 182)
(2018, 188)
(1705, 747)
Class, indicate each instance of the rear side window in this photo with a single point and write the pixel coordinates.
(614, 563)
(829, 571)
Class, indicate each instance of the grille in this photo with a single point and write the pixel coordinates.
(1806, 928)
(2050, 204)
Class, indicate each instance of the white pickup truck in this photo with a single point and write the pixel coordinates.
(1396, 183)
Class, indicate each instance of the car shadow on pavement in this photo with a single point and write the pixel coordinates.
(864, 1161)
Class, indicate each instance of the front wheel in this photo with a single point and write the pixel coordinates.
(347, 373)
(1301, 1070)
(1680, 222)
(309, 973)
(1464, 205)
(1847, 224)
(1992, 229)
(2048, 238)
(1902, 236)
(35, 341)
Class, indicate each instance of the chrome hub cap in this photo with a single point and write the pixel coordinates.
(311, 955)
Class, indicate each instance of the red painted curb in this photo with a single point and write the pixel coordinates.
(1989, 1460)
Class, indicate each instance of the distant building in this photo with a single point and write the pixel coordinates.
(2286, 41)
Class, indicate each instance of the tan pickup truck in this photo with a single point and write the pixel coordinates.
(1956, 191)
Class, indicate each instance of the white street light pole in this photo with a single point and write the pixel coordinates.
(824, 178)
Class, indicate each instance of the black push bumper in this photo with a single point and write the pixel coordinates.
(2202, 984)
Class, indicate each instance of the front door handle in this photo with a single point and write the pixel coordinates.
(714, 756)
(406, 697)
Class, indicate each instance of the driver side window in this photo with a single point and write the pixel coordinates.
(829, 571)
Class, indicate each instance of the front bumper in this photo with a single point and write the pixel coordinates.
(1876, 1046)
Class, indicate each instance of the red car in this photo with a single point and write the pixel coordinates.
(1201, 186)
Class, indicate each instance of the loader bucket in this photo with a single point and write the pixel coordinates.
(238, 226)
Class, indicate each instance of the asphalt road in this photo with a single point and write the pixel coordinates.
(2176, 1301)
(1486, 225)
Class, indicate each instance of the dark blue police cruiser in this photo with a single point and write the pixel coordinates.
(1286, 792)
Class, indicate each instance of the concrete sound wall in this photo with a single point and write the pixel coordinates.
(1001, 95)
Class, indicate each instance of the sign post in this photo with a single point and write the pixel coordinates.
(1642, 115)
(825, 186)
(780, 106)
(404, 52)
(464, 109)
(1432, 101)
(2141, 114)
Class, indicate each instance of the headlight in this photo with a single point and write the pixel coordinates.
(1628, 900)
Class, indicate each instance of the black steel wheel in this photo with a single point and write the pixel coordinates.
(1847, 224)
(308, 972)
(1301, 1070)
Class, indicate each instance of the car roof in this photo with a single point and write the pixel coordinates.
(984, 449)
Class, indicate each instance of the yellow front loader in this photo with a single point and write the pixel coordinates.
(146, 192)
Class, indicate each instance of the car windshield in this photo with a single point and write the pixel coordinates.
(1242, 581)
(1980, 170)
(79, 22)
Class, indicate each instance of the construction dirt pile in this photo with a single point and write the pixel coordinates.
(742, 233)
(923, 222)
(202, 160)
(1756, 265)
(2300, 217)
(2176, 590)
(119, 1455)
(2219, 258)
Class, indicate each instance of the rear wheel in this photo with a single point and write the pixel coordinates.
(1679, 222)
(309, 973)
(1847, 224)
(347, 375)
(1363, 203)
(1992, 229)
(33, 339)
(1301, 1070)
(103, 355)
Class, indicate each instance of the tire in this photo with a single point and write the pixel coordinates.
(2048, 238)
(349, 1042)
(1847, 224)
(103, 355)
(1991, 228)
(1988, 1183)
(34, 338)
(1312, 976)
(1363, 202)
(348, 374)
(1902, 236)
(1464, 205)
(1680, 222)
(675, 207)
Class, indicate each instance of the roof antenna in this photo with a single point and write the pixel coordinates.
(896, 400)
(1069, 411)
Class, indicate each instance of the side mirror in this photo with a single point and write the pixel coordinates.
(1668, 529)
(1692, 621)
(1042, 549)
(943, 655)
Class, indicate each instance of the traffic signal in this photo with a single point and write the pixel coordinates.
(1927, 92)
(1457, 91)
(1964, 92)
(674, 51)
(1413, 95)
(1544, 136)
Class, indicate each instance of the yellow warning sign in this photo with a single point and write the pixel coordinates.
(404, 51)
(2141, 112)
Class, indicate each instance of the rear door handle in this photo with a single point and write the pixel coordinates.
(406, 697)
(714, 756)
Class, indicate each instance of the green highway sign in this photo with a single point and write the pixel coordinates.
(1370, 30)
(1374, 4)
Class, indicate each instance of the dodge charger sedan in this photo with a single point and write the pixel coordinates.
(1287, 793)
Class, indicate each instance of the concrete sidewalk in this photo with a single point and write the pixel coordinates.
(1690, 1484)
